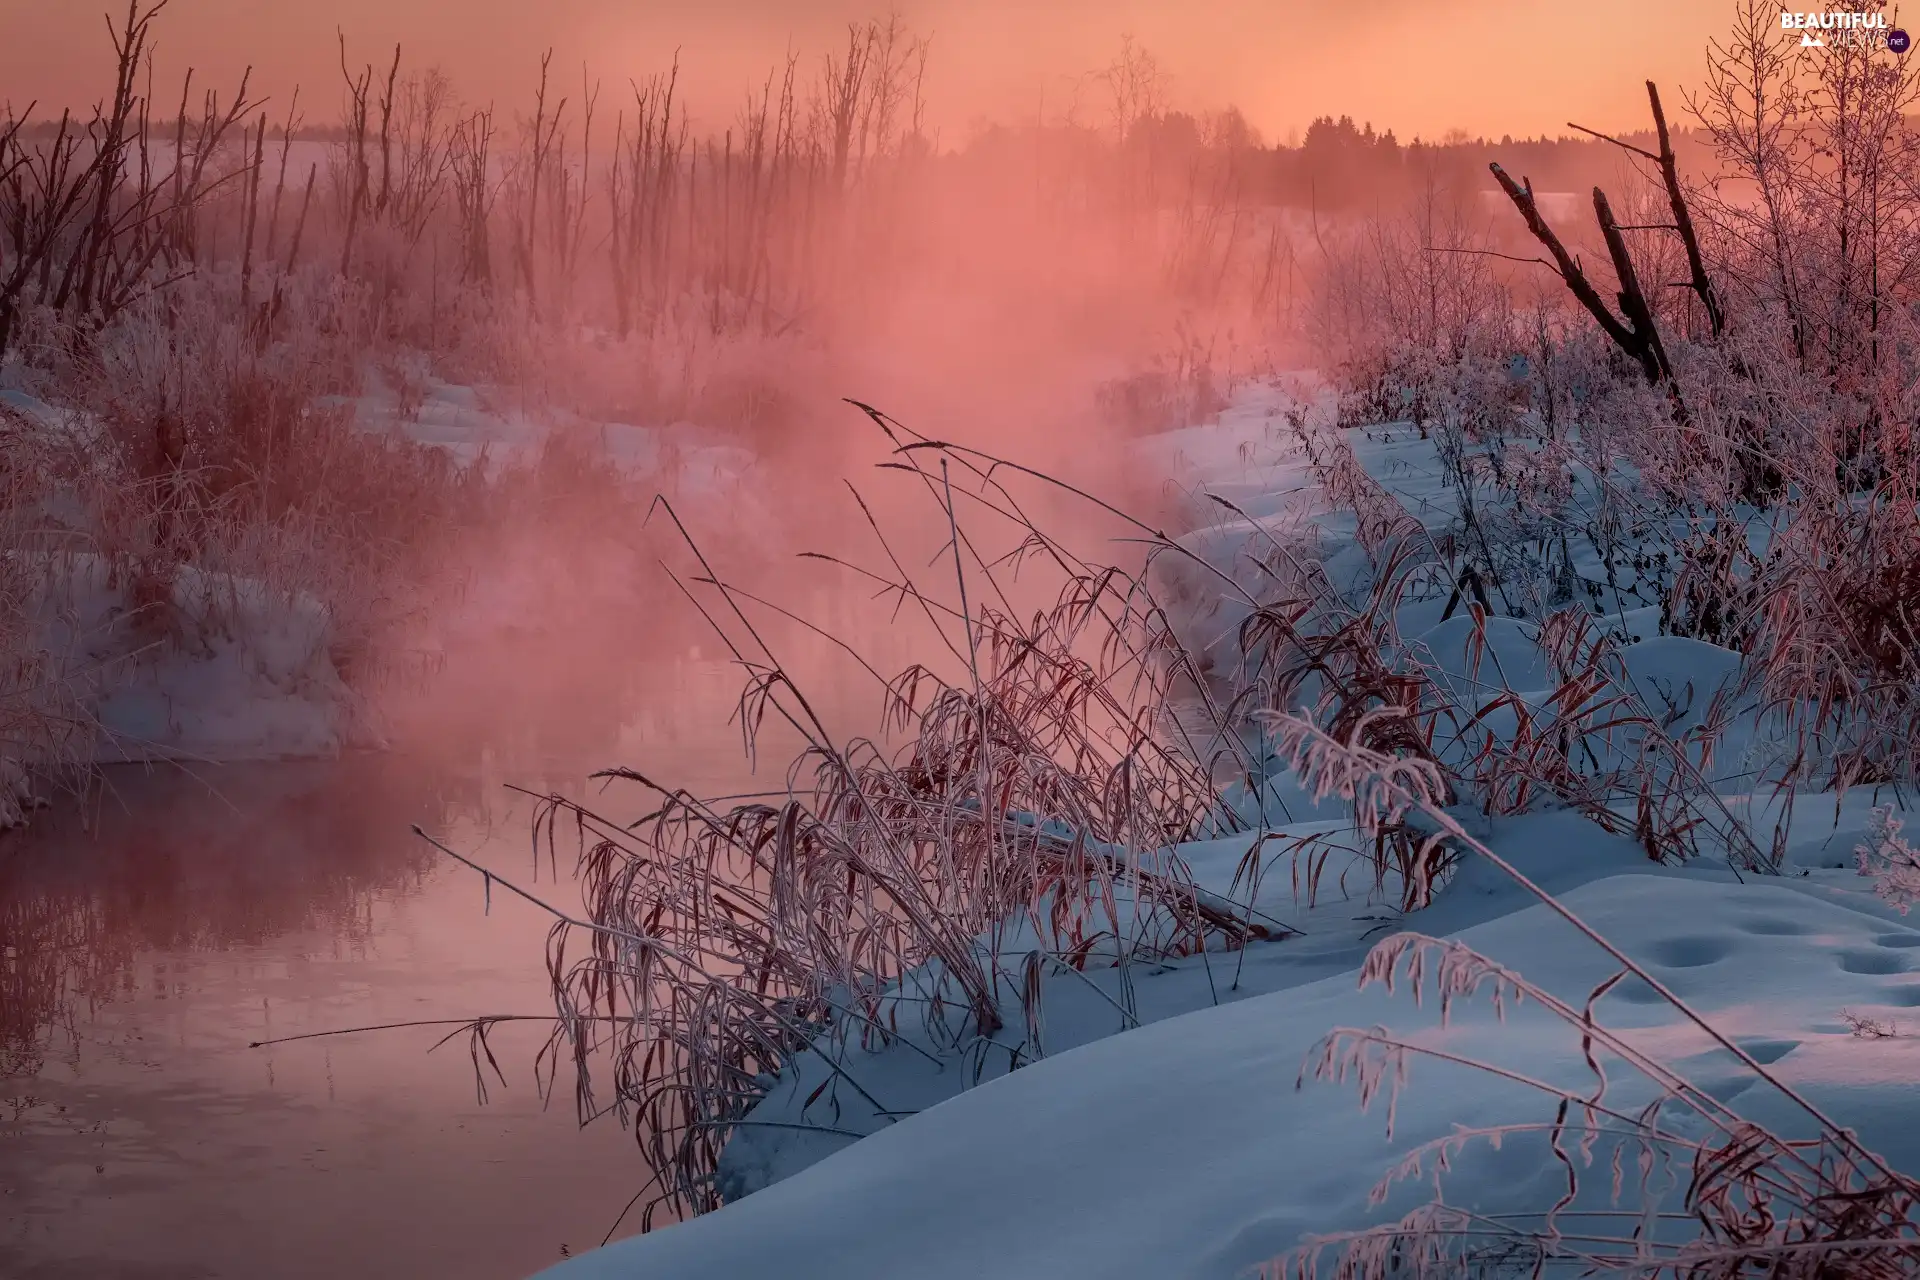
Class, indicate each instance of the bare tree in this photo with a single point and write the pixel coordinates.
(1136, 86)
(87, 224)
(469, 159)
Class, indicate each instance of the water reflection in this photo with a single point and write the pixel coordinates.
(148, 936)
(160, 861)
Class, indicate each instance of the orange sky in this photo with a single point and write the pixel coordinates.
(1419, 66)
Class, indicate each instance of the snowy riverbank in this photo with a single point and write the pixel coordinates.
(257, 649)
(1200, 1143)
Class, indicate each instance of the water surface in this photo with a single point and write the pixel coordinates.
(149, 938)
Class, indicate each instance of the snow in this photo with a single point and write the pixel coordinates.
(1182, 1147)
(234, 669)
(482, 426)
(221, 668)
(231, 670)
(35, 409)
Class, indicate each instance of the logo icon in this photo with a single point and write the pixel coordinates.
(1846, 30)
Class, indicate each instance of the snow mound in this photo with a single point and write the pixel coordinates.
(225, 668)
(1185, 1149)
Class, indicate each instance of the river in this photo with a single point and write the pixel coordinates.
(155, 932)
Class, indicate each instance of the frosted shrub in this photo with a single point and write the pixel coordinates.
(1890, 860)
(1399, 300)
(1021, 819)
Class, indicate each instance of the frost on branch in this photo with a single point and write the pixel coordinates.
(1893, 863)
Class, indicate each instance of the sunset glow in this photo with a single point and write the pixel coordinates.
(894, 620)
(1489, 67)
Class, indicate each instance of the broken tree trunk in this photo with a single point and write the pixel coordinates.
(1698, 280)
(1683, 219)
(1633, 331)
(1633, 341)
(1633, 300)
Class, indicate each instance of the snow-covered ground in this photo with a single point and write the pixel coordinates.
(1200, 1143)
(199, 666)
(482, 426)
(1184, 1148)
(230, 668)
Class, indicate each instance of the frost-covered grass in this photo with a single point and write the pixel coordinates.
(1185, 1147)
(742, 935)
(219, 547)
(1405, 751)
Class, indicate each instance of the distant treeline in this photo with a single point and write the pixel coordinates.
(1336, 164)
(1340, 165)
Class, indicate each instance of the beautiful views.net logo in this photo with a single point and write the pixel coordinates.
(1818, 30)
